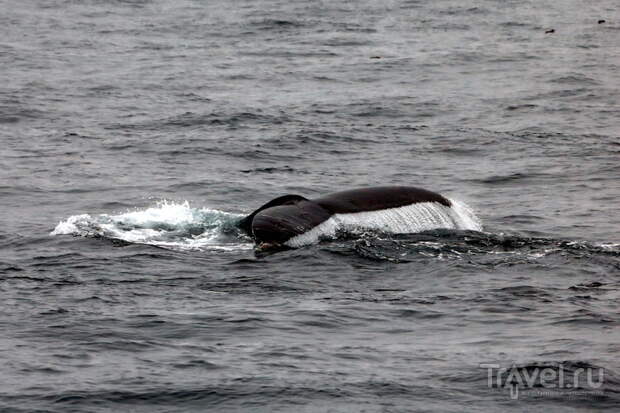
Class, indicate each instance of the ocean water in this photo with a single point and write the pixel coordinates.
(134, 134)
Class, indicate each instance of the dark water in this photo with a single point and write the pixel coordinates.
(108, 108)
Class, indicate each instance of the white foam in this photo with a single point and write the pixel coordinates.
(409, 219)
(609, 245)
(168, 224)
(166, 212)
(71, 225)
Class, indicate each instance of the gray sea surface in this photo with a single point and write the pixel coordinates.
(135, 134)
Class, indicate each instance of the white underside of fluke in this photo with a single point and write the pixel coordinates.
(409, 219)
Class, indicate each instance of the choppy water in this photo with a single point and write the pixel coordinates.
(134, 134)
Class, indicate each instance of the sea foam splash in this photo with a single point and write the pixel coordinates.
(409, 219)
(168, 224)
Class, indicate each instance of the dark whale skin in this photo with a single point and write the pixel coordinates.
(377, 198)
(278, 224)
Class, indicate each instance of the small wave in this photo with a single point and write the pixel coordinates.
(168, 224)
(209, 119)
(477, 248)
(575, 78)
(277, 24)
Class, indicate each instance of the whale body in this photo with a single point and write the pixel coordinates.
(294, 221)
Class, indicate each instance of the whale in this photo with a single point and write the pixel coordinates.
(292, 221)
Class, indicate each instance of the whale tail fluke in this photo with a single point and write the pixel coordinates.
(245, 224)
